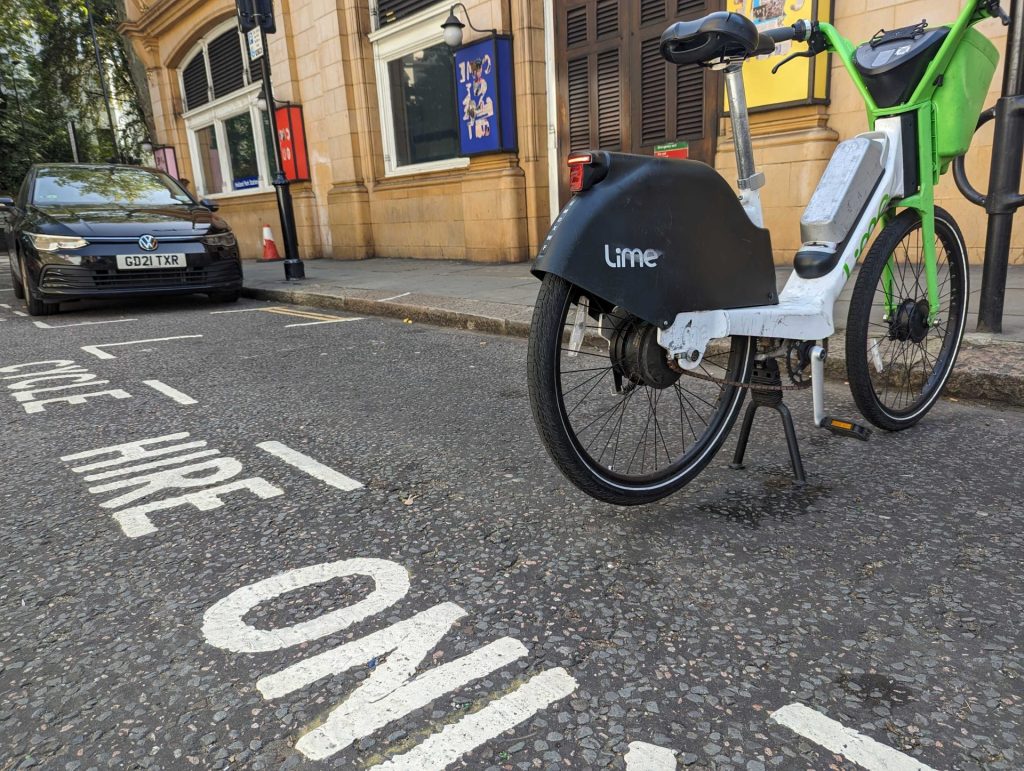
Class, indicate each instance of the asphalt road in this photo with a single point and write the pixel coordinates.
(430, 590)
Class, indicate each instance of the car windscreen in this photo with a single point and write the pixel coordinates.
(114, 186)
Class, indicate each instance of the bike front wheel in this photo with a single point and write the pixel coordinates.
(898, 360)
(619, 420)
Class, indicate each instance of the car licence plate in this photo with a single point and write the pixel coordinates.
(143, 261)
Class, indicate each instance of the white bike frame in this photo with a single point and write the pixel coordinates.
(806, 306)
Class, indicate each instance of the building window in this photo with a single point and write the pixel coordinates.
(220, 88)
(416, 90)
(423, 106)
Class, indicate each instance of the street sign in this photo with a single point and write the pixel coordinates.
(255, 14)
(255, 39)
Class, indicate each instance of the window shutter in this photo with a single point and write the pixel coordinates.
(691, 8)
(390, 11)
(579, 104)
(227, 68)
(576, 26)
(197, 91)
(653, 90)
(607, 18)
(609, 101)
(651, 11)
(690, 103)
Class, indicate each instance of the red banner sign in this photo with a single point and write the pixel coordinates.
(291, 136)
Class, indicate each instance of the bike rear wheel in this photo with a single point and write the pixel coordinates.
(619, 421)
(897, 362)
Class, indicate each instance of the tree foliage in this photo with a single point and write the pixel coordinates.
(48, 76)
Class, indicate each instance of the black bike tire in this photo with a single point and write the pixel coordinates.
(543, 375)
(857, 364)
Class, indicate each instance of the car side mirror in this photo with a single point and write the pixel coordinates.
(6, 203)
(210, 204)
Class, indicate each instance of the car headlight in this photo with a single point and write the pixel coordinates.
(55, 243)
(221, 239)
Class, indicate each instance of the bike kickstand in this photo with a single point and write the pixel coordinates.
(766, 373)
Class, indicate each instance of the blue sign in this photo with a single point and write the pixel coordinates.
(486, 97)
(245, 183)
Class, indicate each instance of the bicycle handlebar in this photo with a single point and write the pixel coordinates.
(782, 34)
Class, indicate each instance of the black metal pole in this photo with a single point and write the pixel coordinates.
(1004, 179)
(103, 81)
(294, 269)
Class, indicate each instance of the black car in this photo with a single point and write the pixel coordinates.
(80, 231)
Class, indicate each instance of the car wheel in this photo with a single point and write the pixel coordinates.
(33, 304)
(225, 297)
(16, 287)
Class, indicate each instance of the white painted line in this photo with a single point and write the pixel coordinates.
(19, 313)
(177, 460)
(6, 290)
(396, 297)
(5, 305)
(312, 467)
(44, 325)
(649, 757)
(240, 310)
(318, 323)
(173, 393)
(445, 747)
(96, 350)
(837, 738)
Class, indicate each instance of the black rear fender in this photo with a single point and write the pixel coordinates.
(658, 237)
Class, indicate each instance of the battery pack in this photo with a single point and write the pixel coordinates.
(844, 189)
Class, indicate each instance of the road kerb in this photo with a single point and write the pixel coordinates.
(966, 383)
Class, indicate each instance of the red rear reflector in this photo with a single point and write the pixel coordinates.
(576, 177)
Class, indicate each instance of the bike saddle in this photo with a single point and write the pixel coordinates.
(716, 37)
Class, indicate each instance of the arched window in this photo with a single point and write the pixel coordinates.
(229, 136)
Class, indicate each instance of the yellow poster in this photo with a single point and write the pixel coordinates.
(799, 81)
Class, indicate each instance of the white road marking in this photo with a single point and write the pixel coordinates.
(44, 325)
(96, 350)
(318, 323)
(134, 521)
(453, 741)
(19, 313)
(837, 738)
(396, 297)
(649, 757)
(6, 290)
(224, 628)
(172, 393)
(238, 310)
(312, 467)
(394, 689)
(177, 459)
(131, 451)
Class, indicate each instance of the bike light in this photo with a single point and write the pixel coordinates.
(586, 170)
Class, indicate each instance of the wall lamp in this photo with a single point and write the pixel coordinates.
(453, 27)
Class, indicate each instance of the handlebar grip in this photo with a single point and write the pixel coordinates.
(782, 34)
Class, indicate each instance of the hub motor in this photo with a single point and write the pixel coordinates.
(636, 355)
(910, 321)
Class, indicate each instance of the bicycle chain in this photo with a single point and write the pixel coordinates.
(749, 386)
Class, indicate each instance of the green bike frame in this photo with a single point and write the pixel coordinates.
(923, 102)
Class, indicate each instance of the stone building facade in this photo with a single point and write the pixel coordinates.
(385, 179)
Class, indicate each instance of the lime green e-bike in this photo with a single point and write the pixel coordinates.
(659, 311)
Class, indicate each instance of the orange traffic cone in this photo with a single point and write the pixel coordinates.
(269, 247)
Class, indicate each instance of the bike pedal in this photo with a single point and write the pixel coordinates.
(842, 427)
